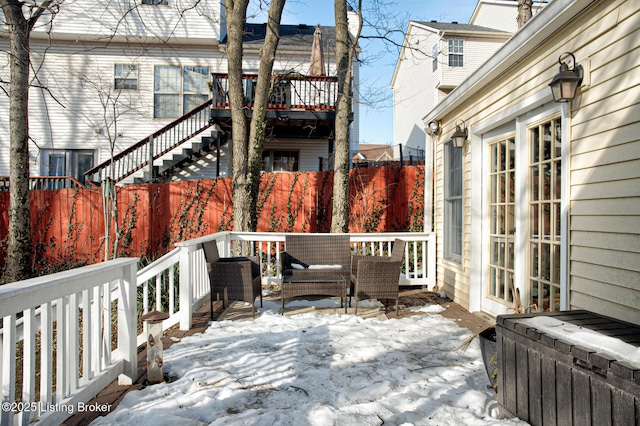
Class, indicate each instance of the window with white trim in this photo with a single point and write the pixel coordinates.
(156, 2)
(177, 90)
(456, 53)
(125, 76)
(434, 53)
(453, 225)
(280, 161)
(66, 162)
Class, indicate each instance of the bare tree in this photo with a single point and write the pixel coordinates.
(21, 18)
(345, 53)
(247, 147)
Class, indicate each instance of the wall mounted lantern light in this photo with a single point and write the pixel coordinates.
(433, 128)
(459, 136)
(565, 84)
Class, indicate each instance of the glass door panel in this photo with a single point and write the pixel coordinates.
(545, 167)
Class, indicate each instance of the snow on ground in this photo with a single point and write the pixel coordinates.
(311, 369)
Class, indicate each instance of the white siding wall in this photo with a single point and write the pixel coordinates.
(499, 14)
(180, 19)
(476, 52)
(414, 92)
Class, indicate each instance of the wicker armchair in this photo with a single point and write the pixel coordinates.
(237, 278)
(364, 279)
(377, 279)
(397, 254)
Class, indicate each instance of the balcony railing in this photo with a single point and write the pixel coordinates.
(82, 324)
(291, 92)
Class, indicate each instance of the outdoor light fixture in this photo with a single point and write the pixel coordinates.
(459, 136)
(433, 128)
(153, 321)
(566, 82)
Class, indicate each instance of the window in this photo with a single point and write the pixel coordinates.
(502, 213)
(456, 51)
(434, 53)
(196, 87)
(71, 162)
(280, 161)
(125, 76)
(178, 90)
(157, 2)
(452, 202)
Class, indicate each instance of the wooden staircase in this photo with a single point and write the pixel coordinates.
(143, 153)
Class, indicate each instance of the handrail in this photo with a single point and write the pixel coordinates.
(156, 144)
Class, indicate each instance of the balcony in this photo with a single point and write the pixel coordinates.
(299, 106)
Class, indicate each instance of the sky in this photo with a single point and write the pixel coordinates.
(376, 123)
(317, 370)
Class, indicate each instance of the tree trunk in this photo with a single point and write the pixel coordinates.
(236, 11)
(344, 55)
(19, 248)
(524, 12)
(260, 105)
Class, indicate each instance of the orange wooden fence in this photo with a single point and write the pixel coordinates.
(68, 225)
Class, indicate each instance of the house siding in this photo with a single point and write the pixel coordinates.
(605, 168)
(603, 160)
(180, 19)
(409, 99)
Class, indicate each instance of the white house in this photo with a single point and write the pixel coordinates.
(111, 75)
(434, 59)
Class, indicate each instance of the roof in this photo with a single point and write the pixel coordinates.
(292, 37)
(374, 152)
(454, 26)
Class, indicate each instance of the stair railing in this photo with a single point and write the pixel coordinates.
(144, 152)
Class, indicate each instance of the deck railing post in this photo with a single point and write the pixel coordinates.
(127, 325)
(186, 289)
(431, 260)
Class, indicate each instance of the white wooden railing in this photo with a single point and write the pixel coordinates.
(60, 326)
(69, 316)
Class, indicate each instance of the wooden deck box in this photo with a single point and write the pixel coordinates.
(547, 380)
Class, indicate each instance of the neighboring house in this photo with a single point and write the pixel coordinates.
(544, 196)
(373, 153)
(501, 14)
(123, 77)
(434, 59)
